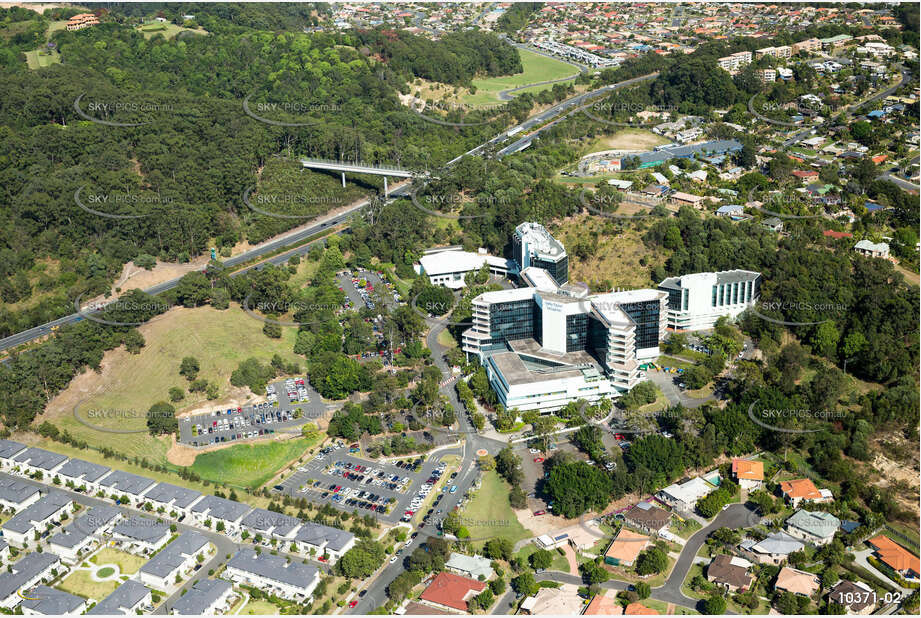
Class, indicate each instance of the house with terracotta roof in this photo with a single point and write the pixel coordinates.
(604, 605)
(798, 490)
(896, 557)
(452, 591)
(796, 581)
(638, 609)
(625, 548)
(748, 474)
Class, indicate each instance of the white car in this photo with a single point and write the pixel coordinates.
(393, 559)
(533, 451)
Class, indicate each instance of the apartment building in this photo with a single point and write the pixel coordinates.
(176, 560)
(20, 531)
(697, 301)
(733, 62)
(273, 574)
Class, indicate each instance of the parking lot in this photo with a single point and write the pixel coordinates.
(347, 481)
(364, 288)
(257, 420)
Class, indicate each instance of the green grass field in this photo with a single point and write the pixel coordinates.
(537, 68)
(81, 584)
(490, 506)
(250, 465)
(168, 30)
(128, 564)
(38, 58)
(131, 383)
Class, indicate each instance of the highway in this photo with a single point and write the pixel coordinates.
(560, 111)
(267, 248)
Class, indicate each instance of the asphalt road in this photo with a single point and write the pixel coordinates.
(376, 594)
(561, 110)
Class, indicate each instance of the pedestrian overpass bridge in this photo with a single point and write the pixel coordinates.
(361, 168)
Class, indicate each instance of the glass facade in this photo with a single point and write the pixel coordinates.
(576, 332)
(511, 321)
(646, 316)
(558, 270)
(597, 343)
(674, 298)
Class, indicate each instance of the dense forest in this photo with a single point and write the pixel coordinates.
(172, 186)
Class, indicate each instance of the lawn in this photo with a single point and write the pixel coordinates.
(128, 564)
(81, 584)
(537, 68)
(250, 465)
(258, 608)
(130, 383)
(168, 30)
(38, 58)
(488, 514)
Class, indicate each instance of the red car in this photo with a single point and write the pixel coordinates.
(352, 604)
(239, 410)
(538, 460)
(540, 512)
(619, 436)
(338, 487)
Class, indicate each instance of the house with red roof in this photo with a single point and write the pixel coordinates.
(452, 591)
(798, 490)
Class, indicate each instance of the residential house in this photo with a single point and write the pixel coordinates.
(34, 460)
(604, 604)
(775, 548)
(686, 198)
(730, 572)
(474, 567)
(562, 601)
(685, 495)
(48, 601)
(896, 557)
(800, 490)
(648, 518)
(173, 564)
(269, 524)
(772, 224)
(80, 474)
(26, 572)
(815, 527)
(625, 548)
(124, 484)
(747, 473)
(129, 598)
(220, 512)
(208, 597)
(172, 499)
(139, 535)
(16, 495)
(73, 542)
(8, 450)
(856, 597)
(730, 210)
(273, 574)
(20, 531)
(872, 249)
(327, 542)
(452, 591)
(81, 21)
(798, 582)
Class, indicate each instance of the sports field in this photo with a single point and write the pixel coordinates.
(250, 465)
(537, 68)
(119, 396)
